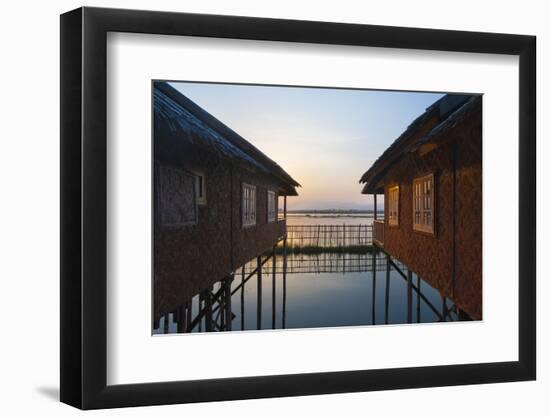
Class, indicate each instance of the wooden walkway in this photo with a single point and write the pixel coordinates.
(331, 235)
(324, 263)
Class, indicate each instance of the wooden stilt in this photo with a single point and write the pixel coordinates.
(418, 320)
(250, 275)
(221, 304)
(422, 296)
(373, 303)
(208, 310)
(387, 300)
(409, 296)
(259, 295)
(242, 297)
(200, 309)
(462, 315)
(227, 296)
(283, 324)
(189, 314)
(273, 290)
(166, 318)
(444, 310)
(182, 318)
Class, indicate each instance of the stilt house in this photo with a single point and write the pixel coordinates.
(215, 199)
(431, 180)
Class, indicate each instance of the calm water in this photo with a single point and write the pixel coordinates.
(326, 290)
(316, 219)
(349, 294)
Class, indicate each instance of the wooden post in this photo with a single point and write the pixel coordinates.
(259, 295)
(386, 307)
(242, 297)
(208, 307)
(166, 317)
(221, 305)
(343, 264)
(189, 314)
(374, 287)
(343, 235)
(283, 324)
(345, 242)
(200, 309)
(182, 318)
(375, 207)
(284, 207)
(273, 288)
(418, 299)
(318, 233)
(227, 296)
(409, 296)
(461, 315)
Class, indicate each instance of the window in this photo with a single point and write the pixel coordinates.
(200, 187)
(423, 204)
(393, 205)
(271, 206)
(249, 205)
(177, 197)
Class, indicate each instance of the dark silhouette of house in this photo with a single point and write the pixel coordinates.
(215, 200)
(431, 179)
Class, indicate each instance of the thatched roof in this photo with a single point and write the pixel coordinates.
(436, 120)
(184, 120)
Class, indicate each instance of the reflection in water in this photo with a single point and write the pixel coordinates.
(307, 291)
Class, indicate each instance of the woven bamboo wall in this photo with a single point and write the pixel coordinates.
(190, 258)
(431, 257)
(469, 221)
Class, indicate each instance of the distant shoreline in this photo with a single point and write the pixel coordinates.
(332, 213)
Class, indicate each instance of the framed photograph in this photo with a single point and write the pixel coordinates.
(257, 208)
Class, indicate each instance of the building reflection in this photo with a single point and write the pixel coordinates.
(212, 310)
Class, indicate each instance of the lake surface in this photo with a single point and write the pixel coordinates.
(326, 290)
(328, 218)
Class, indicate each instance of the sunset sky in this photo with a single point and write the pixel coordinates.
(324, 138)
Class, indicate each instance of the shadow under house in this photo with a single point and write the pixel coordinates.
(431, 179)
(215, 202)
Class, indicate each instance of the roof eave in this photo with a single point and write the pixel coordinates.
(229, 134)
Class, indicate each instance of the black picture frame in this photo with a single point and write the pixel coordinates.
(84, 207)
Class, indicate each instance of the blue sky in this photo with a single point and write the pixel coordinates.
(325, 138)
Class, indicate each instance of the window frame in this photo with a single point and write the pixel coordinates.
(275, 196)
(248, 222)
(391, 221)
(201, 199)
(162, 172)
(418, 184)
